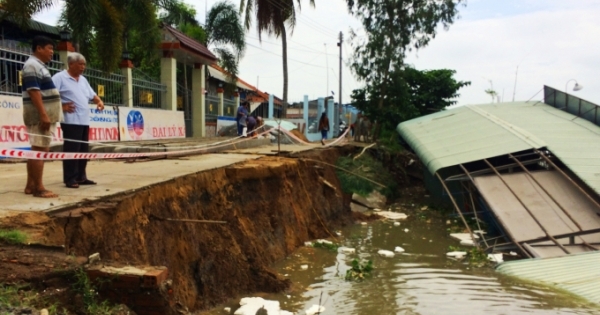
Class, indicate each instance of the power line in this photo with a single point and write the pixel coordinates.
(312, 51)
(289, 59)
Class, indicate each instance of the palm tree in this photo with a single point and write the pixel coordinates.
(271, 18)
(223, 32)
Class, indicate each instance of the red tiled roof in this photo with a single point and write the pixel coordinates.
(259, 96)
(190, 43)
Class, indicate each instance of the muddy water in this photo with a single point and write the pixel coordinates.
(420, 281)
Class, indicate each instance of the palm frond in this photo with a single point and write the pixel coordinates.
(22, 10)
(224, 27)
(109, 30)
(229, 62)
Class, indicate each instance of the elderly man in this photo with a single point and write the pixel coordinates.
(75, 95)
(41, 111)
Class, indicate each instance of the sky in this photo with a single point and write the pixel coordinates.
(513, 46)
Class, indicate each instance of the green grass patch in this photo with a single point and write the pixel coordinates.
(359, 271)
(332, 247)
(368, 167)
(390, 140)
(12, 236)
(89, 294)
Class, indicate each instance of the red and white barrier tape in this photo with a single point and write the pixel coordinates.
(46, 156)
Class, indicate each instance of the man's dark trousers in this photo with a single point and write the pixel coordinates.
(74, 170)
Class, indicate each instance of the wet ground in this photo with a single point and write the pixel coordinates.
(419, 281)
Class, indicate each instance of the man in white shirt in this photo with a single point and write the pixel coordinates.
(75, 95)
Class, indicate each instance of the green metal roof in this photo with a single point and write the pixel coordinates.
(576, 273)
(33, 25)
(474, 132)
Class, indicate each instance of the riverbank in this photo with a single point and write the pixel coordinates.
(271, 206)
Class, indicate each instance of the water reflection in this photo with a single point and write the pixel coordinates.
(421, 281)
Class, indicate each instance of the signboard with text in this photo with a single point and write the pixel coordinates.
(104, 124)
(147, 124)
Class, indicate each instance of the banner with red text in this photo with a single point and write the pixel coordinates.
(147, 124)
(104, 125)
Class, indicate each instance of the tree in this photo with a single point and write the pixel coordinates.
(411, 93)
(271, 17)
(393, 28)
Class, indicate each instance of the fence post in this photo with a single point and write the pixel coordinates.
(168, 77)
(126, 70)
(220, 92)
(305, 114)
(198, 101)
(64, 48)
(271, 104)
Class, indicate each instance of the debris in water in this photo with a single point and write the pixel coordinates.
(513, 254)
(392, 215)
(308, 244)
(315, 309)
(325, 242)
(251, 305)
(348, 250)
(456, 254)
(467, 243)
(304, 267)
(386, 253)
(396, 223)
(363, 223)
(424, 208)
(479, 232)
(338, 233)
(399, 249)
(227, 309)
(463, 236)
(93, 258)
(406, 230)
(497, 258)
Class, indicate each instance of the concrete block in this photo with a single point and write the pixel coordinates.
(154, 278)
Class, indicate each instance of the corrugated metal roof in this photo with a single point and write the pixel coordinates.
(576, 273)
(470, 133)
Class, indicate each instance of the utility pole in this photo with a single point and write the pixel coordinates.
(327, 70)
(341, 38)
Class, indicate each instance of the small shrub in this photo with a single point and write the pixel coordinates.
(359, 271)
(332, 247)
(12, 236)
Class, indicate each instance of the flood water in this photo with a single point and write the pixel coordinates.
(419, 281)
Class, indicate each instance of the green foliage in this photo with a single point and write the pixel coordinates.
(12, 236)
(84, 287)
(332, 247)
(394, 92)
(390, 140)
(478, 257)
(367, 167)
(359, 271)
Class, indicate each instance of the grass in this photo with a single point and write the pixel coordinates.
(365, 166)
(89, 294)
(12, 236)
(359, 271)
(332, 247)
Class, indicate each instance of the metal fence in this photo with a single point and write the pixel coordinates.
(229, 108)
(12, 57)
(212, 107)
(572, 104)
(147, 91)
(108, 86)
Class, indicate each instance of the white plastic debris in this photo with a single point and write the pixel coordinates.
(467, 243)
(406, 230)
(497, 258)
(315, 309)
(304, 267)
(93, 258)
(424, 208)
(44, 312)
(463, 236)
(376, 209)
(348, 250)
(363, 223)
(386, 253)
(456, 254)
(250, 305)
(227, 309)
(396, 223)
(308, 244)
(392, 215)
(338, 233)
(479, 232)
(513, 253)
(399, 249)
(325, 242)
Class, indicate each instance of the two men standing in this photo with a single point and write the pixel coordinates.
(45, 98)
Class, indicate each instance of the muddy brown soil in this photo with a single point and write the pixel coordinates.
(271, 205)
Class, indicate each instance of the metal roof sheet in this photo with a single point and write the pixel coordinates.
(474, 132)
(576, 273)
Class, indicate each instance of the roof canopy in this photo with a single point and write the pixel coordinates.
(185, 48)
(475, 132)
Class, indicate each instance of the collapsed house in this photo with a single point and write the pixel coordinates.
(529, 169)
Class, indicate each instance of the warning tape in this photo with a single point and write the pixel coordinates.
(54, 156)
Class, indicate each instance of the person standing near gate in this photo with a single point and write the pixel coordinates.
(41, 111)
(324, 127)
(75, 95)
